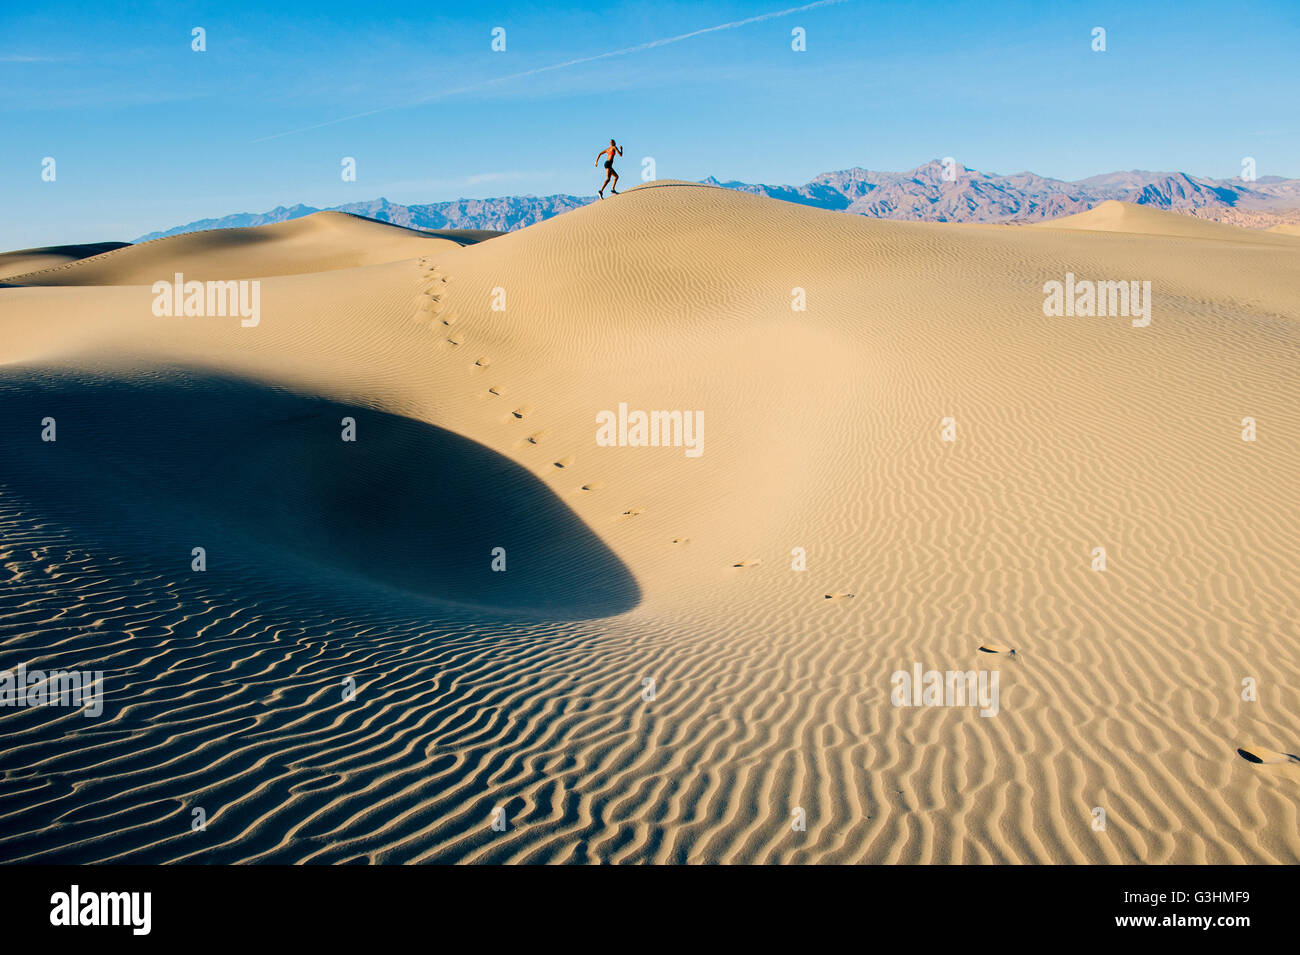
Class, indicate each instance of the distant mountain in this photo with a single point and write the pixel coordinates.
(501, 215)
(239, 220)
(921, 194)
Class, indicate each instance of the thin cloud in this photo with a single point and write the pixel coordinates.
(640, 47)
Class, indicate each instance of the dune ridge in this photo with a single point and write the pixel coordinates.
(24, 261)
(324, 241)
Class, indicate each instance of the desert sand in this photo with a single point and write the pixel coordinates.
(474, 372)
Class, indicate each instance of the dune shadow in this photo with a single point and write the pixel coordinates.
(73, 252)
(183, 460)
(461, 237)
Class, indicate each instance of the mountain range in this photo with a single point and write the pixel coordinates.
(921, 194)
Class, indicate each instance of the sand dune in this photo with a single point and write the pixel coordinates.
(1115, 216)
(35, 260)
(319, 242)
(650, 680)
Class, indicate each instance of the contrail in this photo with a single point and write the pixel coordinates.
(560, 66)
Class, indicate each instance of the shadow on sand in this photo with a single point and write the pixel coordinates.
(174, 462)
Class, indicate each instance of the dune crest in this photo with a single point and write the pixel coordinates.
(1116, 216)
(37, 260)
(319, 242)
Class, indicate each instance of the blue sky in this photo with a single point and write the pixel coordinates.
(148, 134)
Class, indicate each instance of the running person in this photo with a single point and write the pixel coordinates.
(609, 154)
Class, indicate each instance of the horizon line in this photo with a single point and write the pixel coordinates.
(714, 178)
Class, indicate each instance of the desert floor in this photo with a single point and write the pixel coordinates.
(473, 372)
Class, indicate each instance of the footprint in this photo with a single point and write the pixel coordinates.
(593, 486)
(681, 540)
(633, 511)
(565, 462)
(523, 411)
(1257, 755)
(537, 438)
(454, 341)
(838, 596)
(449, 319)
(495, 390)
(751, 562)
(483, 362)
(996, 648)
